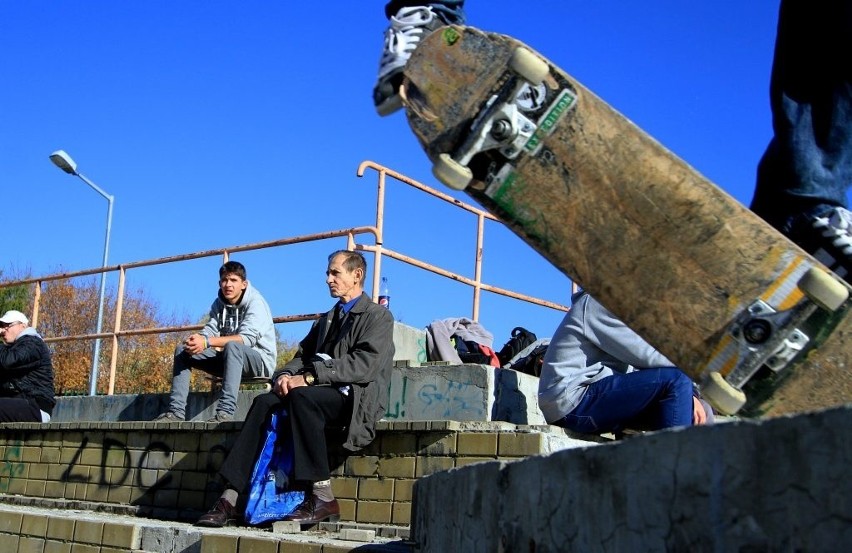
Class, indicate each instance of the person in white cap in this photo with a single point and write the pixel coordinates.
(26, 372)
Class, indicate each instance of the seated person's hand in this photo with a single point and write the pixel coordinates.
(699, 416)
(194, 344)
(284, 383)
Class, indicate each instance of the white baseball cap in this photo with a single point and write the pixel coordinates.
(13, 316)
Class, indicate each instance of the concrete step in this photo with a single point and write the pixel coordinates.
(54, 527)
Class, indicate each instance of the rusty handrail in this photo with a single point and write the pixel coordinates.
(195, 255)
(377, 249)
(481, 215)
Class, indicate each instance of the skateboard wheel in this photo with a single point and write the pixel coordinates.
(823, 289)
(451, 172)
(722, 396)
(529, 66)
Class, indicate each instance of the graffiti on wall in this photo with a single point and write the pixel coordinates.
(155, 455)
(12, 465)
(434, 398)
(151, 471)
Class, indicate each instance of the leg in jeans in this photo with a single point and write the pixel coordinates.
(209, 361)
(238, 360)
(656, 398)
(808, 165)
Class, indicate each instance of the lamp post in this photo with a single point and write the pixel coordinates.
(64, 162)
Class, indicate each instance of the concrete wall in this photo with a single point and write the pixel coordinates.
(410, 343)
(169, 470)
(460, 393)
(463, 393)
(777, 485)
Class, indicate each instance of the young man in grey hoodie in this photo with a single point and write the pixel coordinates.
(600, 376)
(238, 340)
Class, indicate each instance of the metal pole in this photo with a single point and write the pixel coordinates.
(93, 378)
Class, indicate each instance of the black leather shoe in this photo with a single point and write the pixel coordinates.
(314, 510)
(220, 515)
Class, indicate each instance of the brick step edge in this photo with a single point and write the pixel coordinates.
(332, 529)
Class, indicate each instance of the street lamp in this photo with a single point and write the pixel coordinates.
(64, 162)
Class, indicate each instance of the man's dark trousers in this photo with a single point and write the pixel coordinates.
(311, 409)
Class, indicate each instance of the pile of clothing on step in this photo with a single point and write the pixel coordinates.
(461, 340)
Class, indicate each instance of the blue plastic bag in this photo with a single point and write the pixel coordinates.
(269, 496)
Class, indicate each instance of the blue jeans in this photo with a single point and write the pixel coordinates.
(450, 11)
(235, 360)
(648, 399)
(807, 166)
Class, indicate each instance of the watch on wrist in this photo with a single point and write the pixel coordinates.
(309, 378)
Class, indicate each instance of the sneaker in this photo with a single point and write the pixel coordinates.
(828, 238)
(221, 417)
(407, 28)
(168, 416)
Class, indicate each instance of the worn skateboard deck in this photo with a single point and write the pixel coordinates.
(686, 266)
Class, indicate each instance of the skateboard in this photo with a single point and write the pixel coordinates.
(757, 322)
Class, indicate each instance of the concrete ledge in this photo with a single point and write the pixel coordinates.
(775, 485)
(460, 392)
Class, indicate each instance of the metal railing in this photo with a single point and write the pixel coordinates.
(476, 282)
(377, 248)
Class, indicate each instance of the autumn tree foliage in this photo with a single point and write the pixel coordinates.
(286, 351)
(14, 297)
(144, 362)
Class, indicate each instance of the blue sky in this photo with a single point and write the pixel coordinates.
(219, 123)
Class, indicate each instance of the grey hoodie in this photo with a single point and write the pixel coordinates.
(589, 345)
(251, 319)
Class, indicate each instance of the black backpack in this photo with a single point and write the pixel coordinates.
(531, 364)
(521, 338)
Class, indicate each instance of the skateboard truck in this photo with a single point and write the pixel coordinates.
(767, 338)
(500, 124)
(762, 336)
(771, 338)
(505, 126)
